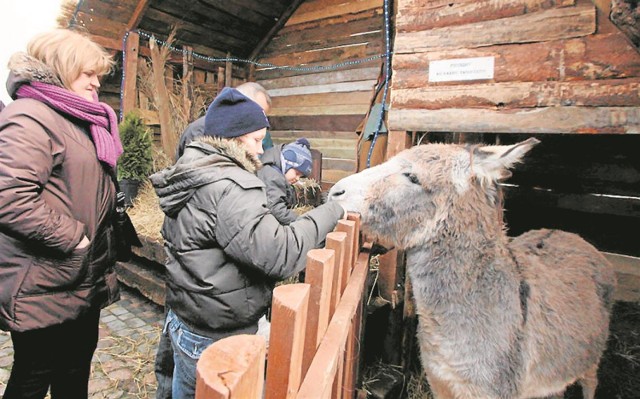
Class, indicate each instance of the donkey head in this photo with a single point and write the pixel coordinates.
(428, 190)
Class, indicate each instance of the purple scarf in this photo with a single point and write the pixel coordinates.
(103, 122)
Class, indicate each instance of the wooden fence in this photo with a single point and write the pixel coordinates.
(316, 330)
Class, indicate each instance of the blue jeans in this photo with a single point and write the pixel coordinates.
(187, 349)
(164, 366)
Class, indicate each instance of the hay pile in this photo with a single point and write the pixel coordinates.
(145, 213)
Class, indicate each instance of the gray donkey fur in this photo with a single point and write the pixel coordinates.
(497, 317)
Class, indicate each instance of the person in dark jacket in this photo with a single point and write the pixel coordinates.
(164, 356)
(58, 149)
(282, 166)
(225, 250)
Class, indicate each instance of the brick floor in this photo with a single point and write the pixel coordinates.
(123, 363)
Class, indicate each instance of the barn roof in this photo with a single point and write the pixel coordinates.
(211, 27)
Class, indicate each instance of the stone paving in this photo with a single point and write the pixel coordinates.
(123, 363)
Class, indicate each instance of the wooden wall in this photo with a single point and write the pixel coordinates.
(562, 72)
(561, 66)
(324, 106)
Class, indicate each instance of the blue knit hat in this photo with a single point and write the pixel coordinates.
(296, 155)
(232, 114)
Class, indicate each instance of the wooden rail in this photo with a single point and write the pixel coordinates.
(316, 328)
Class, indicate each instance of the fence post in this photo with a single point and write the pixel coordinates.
(286, 343)
(336, 241)
(319, 274)
(232, 368)
(348, 227)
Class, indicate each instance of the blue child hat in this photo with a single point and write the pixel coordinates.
(297, 155)
(232, 114)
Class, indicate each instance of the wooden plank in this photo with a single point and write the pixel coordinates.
(348, 227)
(232, 368)
(579, 164)
(269, 73)
(355, 218)
(602, 93)
(554, 24)
(319, 274)
(129, 91)
(601, 57)
(221, 75)
(422, 15)
(340, 109)
(101, 26)
(334, 176)
(365, 85)
(397, 142)
(593, 57)
(336, 241)
(337, 21)
(206, 33)
(228, 68)
(346, 165)
(339, 122)
(388, 275)
(292, 135)
(324, 56)
(541, 120)
(584, 203)
(359, 31)
(314, 100)
(235, 19)
(628, 271)
(321, 142)
(137, 15)
(318, 382)
(288, 318)
(266, 39)
(117, 11)
(313, 10)
(322, 78)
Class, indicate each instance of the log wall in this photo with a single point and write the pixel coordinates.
(559, 67)
(325, 106)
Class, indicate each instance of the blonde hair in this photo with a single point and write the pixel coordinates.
(69, 53)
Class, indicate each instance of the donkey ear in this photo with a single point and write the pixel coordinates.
(491, 163)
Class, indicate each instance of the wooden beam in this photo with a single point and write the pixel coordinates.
(398, 141)
(536, 120)
(233, 364)
(554, 24)
(221, 75)
(129, 93)
(137, 15)
(288, 317)
(228, 77)
(509, 95)
(274, 30)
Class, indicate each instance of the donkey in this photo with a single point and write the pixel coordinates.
(497, 317)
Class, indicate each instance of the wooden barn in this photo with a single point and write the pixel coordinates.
(364, 79)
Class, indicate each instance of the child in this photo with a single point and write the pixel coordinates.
(284, 165)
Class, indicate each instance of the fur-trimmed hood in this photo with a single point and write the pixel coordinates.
(24, 68)
(205, 160)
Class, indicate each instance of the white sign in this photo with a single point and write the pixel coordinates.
(479, 68)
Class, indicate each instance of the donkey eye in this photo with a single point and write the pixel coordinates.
(412, 178)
